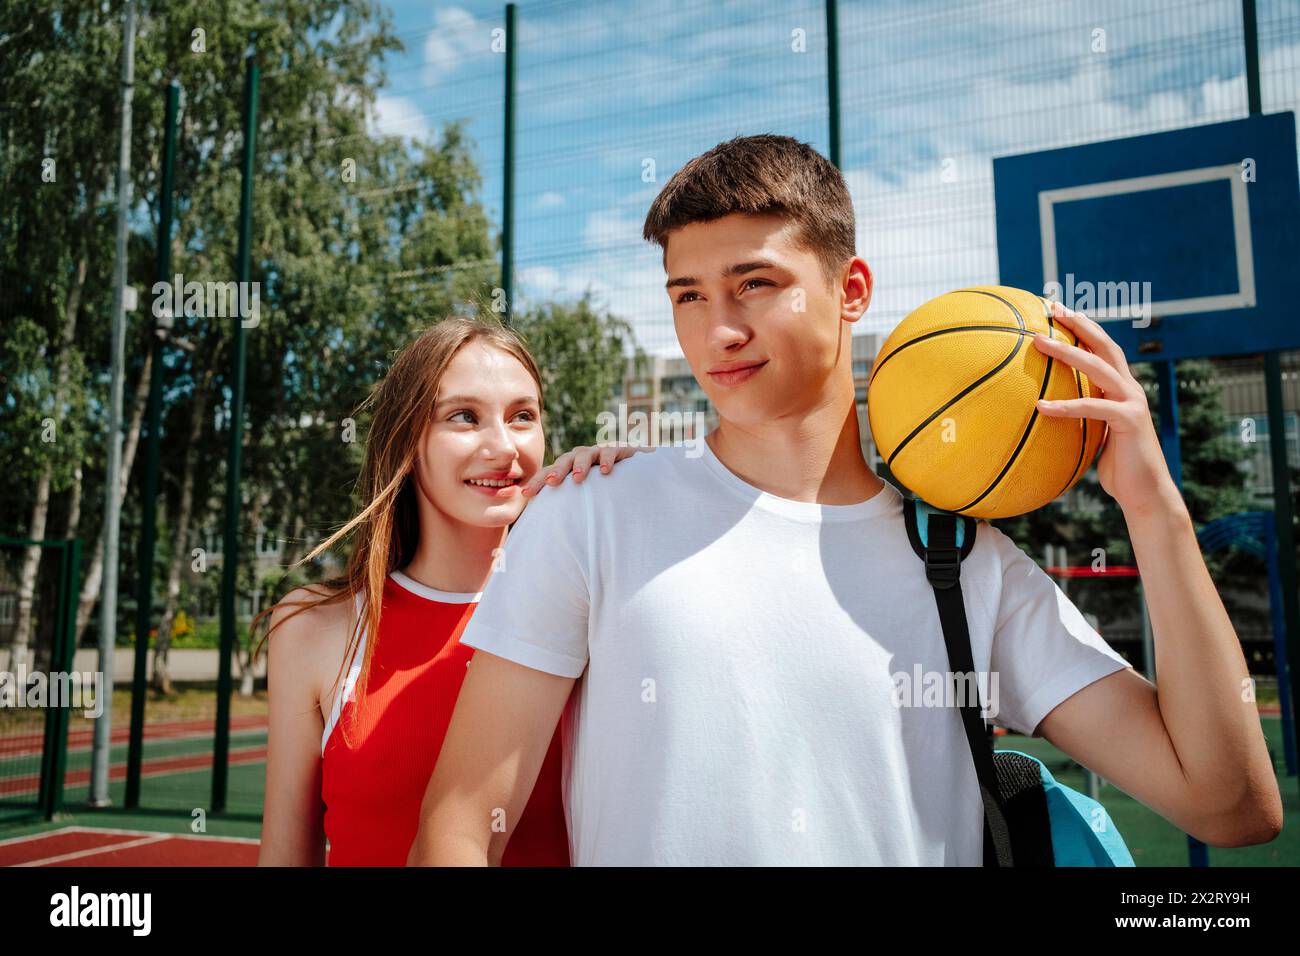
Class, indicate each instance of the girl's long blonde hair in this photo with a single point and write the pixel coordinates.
(386, 532)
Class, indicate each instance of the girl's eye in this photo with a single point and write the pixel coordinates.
(470, 419)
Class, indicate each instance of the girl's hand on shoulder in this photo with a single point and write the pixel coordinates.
(579, 462)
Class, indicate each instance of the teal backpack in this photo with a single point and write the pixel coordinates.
(1029, 818)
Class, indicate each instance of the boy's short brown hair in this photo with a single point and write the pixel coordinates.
(767, 175)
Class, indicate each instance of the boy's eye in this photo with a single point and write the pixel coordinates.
(682, 298)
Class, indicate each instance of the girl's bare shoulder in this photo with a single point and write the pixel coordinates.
(309, 639)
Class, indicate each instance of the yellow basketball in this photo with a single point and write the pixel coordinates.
(952, 404)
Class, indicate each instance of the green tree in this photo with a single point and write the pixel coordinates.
(582, 351)
(57, 116)
(1088, 522)
(359, 240)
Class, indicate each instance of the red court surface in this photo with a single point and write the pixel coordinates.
(31, 744)
(81, 846)
(15, 786)
(80, 740)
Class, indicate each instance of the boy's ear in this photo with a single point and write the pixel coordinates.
(858, 286)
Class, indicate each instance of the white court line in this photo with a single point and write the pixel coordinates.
(82, 854)
(174, 836)
(32, 837)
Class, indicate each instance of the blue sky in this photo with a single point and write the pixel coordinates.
(930, 92)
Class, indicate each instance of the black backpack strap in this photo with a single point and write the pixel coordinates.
(942, 555)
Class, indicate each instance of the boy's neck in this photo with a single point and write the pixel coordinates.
(813, 458)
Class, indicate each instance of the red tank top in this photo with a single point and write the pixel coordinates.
(373, 782)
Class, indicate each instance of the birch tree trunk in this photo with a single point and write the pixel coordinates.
(41, 505)
(243, 650)
(74, 505)
(162, 682)
(95, 574)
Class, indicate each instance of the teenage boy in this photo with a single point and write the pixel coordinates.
(734, 620)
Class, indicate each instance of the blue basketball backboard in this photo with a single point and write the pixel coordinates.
(1184, 243)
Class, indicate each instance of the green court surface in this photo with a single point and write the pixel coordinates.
(1155, 842)
(170, 799)
(176, 783)
(167, 806)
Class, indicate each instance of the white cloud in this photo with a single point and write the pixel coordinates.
(932, 88)
(920, 238)
(923, 235)
(628, 284)
(1225, 98)
(607, 227)
(455, 35)
(397, 116)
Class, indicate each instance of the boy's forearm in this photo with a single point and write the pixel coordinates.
(1201, 672)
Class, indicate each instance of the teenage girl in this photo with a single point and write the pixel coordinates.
(364, 670)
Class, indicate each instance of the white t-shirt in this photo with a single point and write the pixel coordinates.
(737, 653)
